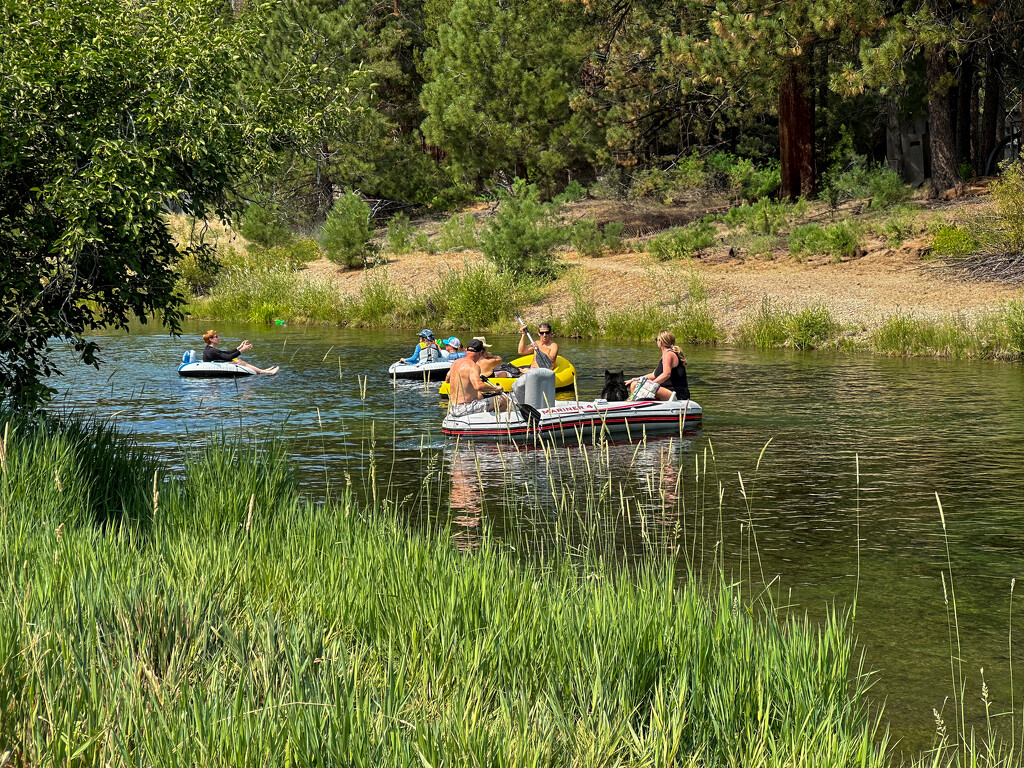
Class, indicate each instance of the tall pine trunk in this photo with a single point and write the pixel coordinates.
(942, 136)
(993, 104)
(796, 131)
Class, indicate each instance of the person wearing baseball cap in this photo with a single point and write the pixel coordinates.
(428, 346)
(452, 349)
(468, 387)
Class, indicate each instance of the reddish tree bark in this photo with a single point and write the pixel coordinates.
(796, 131)
(941, 132)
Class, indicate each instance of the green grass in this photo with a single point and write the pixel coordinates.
(996, 335)
(835, 240)
(233, 621)
(769, 327)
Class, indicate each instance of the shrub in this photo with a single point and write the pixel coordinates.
(765, 217)
(522, 234)
(347, 231)
(766, 329)
(378, 298)
(697, 324)
(197, 269)
(668, 185)
(587, 238)
(836, 240)
(399, 235)
(948, 240)
(812, 327)
(1004, 232)
(898, 226)
(422, 242)
(476, 295)
(850, 177)
(637, 323)
(581, 319)
(457, 232)
(886, 188)
(680, 242)
(263, 224)
(573, 193)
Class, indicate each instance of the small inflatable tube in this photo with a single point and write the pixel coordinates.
(196, 369)
(565, 375)
(420, 371)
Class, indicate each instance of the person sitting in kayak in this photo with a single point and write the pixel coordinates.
(213, 355)
(468, 387)
(545, 349)
(452, 349)
(426, 350)
(670, 375)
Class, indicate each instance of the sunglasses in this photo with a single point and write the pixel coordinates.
(544, 333)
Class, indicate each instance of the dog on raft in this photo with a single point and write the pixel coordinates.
(614, 386)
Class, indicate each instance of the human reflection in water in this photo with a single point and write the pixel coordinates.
(466, 500)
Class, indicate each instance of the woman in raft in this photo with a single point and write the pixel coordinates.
(213, 355)
(670, 375)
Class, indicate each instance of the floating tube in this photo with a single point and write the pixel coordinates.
(196, 369)
(565, 375)
(435, 370)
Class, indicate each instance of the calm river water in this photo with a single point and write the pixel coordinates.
(918, 427)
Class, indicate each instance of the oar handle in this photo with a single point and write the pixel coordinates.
(522, 324)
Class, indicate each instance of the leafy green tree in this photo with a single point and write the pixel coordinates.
(111, 112)
(263, 225)
(500, 89)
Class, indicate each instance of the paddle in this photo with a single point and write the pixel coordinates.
(539, 356)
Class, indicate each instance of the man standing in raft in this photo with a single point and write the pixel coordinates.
(544, 351)
(213, 355)
(467, 387)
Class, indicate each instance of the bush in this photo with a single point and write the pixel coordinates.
(948, 240)
(680, 242)
(697, 324)
(836, 240)
(522, 236)
(741, 177)
(812, 327)
(765, 217)
(197, 269)
(668, 185)
(573, 193)
(476, 295)
(886, 188)
(264, 225)
(587, 238)
(423, 243)
(766, 329)
(581, 319)
(850, 177)
(1004, 232)
(378, 299)
(457, 232)
(399, 236)
(347, 231)
(637, 323)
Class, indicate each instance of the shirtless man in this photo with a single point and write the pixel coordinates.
(467, 387)
(545, 345)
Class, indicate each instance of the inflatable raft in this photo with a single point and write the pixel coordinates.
(193, 368)
(565, 375)
(534, 411)
(435, 370)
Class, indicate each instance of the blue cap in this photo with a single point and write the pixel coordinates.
(427, 334)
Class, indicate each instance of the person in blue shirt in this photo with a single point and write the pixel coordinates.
(426, 350)
(452, 349)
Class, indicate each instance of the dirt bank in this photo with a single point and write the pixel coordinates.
(860, 291)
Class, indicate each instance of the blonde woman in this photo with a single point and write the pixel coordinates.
(670, 375)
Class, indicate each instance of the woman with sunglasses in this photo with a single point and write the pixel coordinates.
(547, 347)
(213, 355)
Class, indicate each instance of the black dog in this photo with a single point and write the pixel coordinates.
(614, 386)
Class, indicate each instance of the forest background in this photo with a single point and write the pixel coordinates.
(314, 116)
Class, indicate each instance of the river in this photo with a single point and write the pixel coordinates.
(916, 429)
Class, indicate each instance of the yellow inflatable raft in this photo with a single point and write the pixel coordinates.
(565, 375)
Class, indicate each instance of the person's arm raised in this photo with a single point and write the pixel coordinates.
(524, 348)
